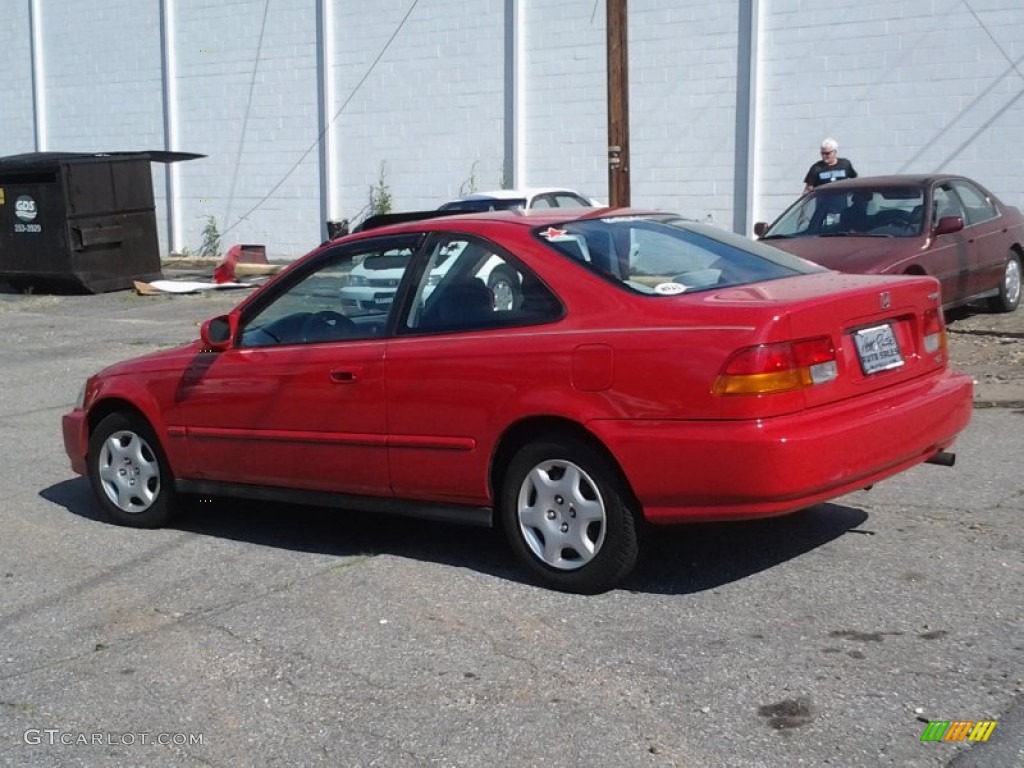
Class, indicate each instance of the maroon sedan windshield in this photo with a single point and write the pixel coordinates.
(879, 212)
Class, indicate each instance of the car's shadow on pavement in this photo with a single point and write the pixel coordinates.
(674, 560)
(690, 558)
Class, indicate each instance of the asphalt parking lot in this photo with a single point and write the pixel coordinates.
(263, 634)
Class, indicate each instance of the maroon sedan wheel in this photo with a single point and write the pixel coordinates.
(1009, 288)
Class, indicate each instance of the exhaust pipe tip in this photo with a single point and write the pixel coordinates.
(942, 458)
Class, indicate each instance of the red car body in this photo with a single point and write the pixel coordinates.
(711, 403)
(942, 225)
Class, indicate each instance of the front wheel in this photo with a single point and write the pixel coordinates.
(128, 472)
(566, 516)
(1009, 287)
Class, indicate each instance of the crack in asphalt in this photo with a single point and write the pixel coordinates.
(994, 334)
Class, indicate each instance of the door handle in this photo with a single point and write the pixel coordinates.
(343, 377)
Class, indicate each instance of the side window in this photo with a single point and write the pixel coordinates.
(565, 200)
(346, 296)
(945, 203)
(543, 201)
(470, 285)
(977, 206)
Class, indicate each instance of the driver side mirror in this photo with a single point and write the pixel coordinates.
(760, 228)
(217, 333)
(949, 224)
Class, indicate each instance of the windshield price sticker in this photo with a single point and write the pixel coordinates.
(878, 349)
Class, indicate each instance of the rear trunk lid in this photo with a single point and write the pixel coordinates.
(877, 325)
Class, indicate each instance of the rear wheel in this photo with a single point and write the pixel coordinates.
(565, 514)
(1009, 288)
(129, 473)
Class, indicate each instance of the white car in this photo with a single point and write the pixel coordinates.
(372, 283)
(533, 197)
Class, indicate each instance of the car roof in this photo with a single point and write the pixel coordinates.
(895, 180)
(516, 217)
(515, 194)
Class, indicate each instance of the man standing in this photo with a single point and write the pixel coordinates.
(830, 168)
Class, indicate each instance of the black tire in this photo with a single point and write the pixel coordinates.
(1009, 287)
(504, 285)
(129, 473)
(593, 555)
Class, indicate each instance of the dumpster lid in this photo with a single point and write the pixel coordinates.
(51, 160)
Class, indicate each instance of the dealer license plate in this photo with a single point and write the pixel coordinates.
(878, 349)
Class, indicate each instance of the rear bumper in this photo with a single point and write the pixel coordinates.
(690, 471)
(76, 439)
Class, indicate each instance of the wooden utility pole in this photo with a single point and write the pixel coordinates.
(618, 104)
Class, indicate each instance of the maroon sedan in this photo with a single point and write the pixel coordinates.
(945, 226)
(646, 371)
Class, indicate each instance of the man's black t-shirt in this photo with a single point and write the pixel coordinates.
(822, 173)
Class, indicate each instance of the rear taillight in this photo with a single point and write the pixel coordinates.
(778, 367)
(934, 331)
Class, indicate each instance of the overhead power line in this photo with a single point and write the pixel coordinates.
(320, 135)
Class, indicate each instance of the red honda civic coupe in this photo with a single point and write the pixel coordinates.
(647, 370)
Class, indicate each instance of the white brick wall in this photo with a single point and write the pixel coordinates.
(905, 85)
(565, 140)
(432, 110)
(17, 126)
(683, 106)
(250, 105)
(103, 72)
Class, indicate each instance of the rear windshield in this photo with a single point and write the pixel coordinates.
(484, 204)
(664, 255)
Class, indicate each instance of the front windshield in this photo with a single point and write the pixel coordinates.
(664, 255)
(860, 212)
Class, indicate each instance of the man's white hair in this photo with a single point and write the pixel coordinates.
(830, 145)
